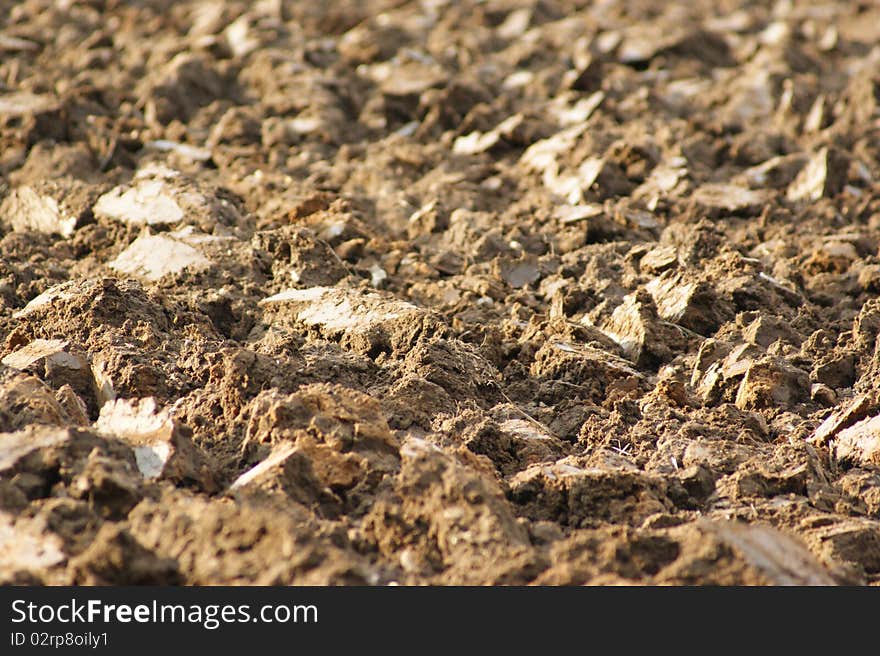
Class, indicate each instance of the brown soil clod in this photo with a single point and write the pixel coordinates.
(508, 292)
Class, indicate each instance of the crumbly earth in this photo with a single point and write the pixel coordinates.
(432, 292)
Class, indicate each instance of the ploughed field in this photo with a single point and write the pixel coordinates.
(500, 292)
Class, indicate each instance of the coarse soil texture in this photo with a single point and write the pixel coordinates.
(436, 292)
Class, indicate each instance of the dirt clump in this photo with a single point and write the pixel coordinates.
(507, 292)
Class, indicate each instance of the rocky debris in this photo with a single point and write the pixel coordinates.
(367, 322)
(51, 206)
(160, 196)
(151, 257)
(162, 446)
